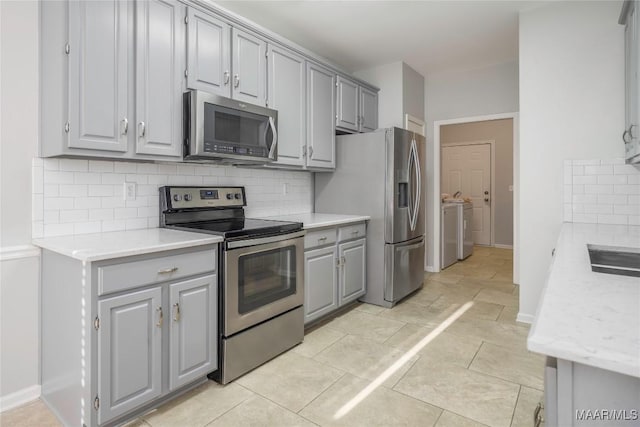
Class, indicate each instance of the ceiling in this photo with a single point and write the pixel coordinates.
(430, 36)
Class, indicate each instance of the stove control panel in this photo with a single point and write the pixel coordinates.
(203, 197)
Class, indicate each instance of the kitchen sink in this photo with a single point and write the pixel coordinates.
(615, 260)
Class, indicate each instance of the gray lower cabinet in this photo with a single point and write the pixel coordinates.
(121, 335)
(335, 269)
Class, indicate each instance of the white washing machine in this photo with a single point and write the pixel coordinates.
(448, 235)
(465, 230)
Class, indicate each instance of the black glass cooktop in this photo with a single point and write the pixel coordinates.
(242, 227)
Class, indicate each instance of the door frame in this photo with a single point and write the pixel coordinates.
(435, 202)
(492, 168)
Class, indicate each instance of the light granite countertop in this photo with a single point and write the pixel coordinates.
(586, 317)
(100, 246)
(319, 220)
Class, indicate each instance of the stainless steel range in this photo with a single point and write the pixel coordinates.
(261, 274)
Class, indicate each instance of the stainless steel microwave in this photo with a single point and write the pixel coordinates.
(219, 128)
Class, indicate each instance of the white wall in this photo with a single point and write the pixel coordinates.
(463, 93)
(571, 107)
(412, 93)
(19, 349)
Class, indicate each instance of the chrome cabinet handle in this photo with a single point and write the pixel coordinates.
(226, 77)
(142, 129)
(344, 260)
(168, 270)
(236, 80)
(176, 312)
(160, 317)
(310, 152)
(125, 126)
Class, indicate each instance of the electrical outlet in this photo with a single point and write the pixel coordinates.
(129, 191)
(285, 188)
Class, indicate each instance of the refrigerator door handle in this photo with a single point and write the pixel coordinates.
(410, 208)
(415, 198)
(418, 184)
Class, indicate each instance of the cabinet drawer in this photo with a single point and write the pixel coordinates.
(318, 238)
(128, 275)
(354, 231)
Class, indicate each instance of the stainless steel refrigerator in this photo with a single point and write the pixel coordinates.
(381, 174)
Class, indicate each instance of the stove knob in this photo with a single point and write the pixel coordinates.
(238, 196)
(187, 197)
(177, 197)
(229, 196)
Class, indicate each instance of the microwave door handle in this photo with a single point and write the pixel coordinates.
(274, 142)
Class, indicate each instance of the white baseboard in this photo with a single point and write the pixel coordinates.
(502, 246)
(524, 318)
(19, 397)
(431, 269)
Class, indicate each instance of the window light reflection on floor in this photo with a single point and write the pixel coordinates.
(347, 407)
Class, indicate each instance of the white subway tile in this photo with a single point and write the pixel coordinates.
(125, 167)
(193, 180)
(87, 227)
(118, 190)
(101, 214)
(624, 170)
(634, 199)
(37, 162)
(37, 180)
(626, 189)
(158, 179)
(598, 170)
(167, 169)
(612, 219)
(52, 203)
(577, 170)
(586, 162)
(57, 177)
(577, 208)
(612, 199)
(100, 190)
(598, 209)
(153, 201)
(74, 215)
(585, 198)
(612, 179)
(73, 190)
(57, 229)
(37, 229)
(112, 202)
(627, 210)
(138, 202)
(148, 190)
(114, 225)
(147, 168)
(86, 178)
(585, 218)
(86, 203)
(37, 207)
(177, 180)
(124, 213)
(201, 170)
(567, 213)
(598, 189)
(209, 180)
(633, 179)
(153, 222)
(634, 219)
(51, 190)
(186, 169)
(113, 178)
(137, 178)
(136, 223)
(52, 217)
(585, 179)
(616, 161)
(147, 211)
(74, 165)
(100, 166)
(51, 164)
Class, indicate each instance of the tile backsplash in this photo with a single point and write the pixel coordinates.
(73, 196)
(601, 192)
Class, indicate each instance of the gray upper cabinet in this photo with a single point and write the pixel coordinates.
(321, 286)
(352, 270)
(160, 65)
(348, 114)
(249, 55)
(368, 110)
(193, 332)
(631, 135)
(287, 94)
(321, 145)
(208, 53)
(129, 352)
(98, 75)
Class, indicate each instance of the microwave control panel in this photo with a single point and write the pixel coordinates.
(240, 150)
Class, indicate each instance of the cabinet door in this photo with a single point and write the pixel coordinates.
(287, 94)
(249, 68)
(129, 351)
(208, 54)
(368, 110)
(353, 270)
(194, 327)
(632, 89)
(320, 283)
(160, 65)
(98, 68)
(321, 125)
(348, 114)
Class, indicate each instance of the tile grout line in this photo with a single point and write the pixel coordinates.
(513, 414)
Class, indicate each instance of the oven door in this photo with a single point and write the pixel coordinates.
(264, 277)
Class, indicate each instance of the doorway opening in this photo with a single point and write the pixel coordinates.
(478, 157)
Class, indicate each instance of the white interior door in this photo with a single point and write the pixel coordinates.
(467, 168)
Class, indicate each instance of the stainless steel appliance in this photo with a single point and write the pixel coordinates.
(380, 174)
(219, 128)
(465, 230)
(448, 235)
(261, 276)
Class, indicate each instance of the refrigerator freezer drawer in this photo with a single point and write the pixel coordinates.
(404, 268)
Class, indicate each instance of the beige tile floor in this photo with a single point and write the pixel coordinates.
(475, 372)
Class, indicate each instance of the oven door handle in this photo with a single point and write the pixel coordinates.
(263, 240)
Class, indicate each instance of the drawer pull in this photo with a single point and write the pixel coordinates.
(160, 317)
(168, 270)
(355, 232)
(322, 239)
(176, 312)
